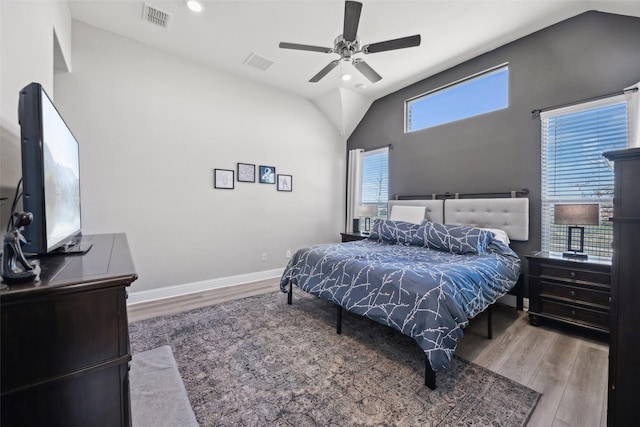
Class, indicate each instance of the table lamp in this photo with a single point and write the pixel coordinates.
(367, 211)
(576, 215)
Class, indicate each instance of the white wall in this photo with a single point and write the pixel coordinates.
(152, 127)
(26, 55)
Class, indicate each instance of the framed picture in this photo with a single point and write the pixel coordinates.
(246, 172)
(223, 178)
(267, 174)
(285, 183)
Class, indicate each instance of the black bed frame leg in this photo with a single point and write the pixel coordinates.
(489, 324)
(519, 289)
(339, 321)
(429, 375)
(290, 295)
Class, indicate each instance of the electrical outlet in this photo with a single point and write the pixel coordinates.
(264, 256)
(288, 255)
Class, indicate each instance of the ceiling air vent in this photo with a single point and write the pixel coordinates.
(259, 62)
(156, 16)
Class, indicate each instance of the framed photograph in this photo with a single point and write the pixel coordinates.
(246, 172)
(267, 174)
(223, 178)
(285, 183)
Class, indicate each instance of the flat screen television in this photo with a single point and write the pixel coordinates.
(50, 176)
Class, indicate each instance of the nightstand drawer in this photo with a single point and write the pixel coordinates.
(575, 294)
(569, 273)
(599, 319)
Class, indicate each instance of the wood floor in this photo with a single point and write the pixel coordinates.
(567, 366)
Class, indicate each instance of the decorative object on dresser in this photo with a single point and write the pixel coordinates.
(65, 340)
(571, 291)
(15, 267)
(624, 343)
(575, 216)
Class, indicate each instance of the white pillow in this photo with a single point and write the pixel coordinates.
(499, 235)
(413, 214)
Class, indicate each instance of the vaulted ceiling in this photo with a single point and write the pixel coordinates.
(227, 34)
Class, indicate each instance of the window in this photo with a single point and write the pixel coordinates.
(574, 170)
(375, 179)
(475, 95)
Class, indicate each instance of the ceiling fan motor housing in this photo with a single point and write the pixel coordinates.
(346, 49)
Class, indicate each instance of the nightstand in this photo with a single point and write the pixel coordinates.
(353, 236)
(571, 291)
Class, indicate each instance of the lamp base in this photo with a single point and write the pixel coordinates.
(575, 255)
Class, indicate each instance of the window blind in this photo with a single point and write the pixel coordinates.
(574, 170)
(375, 179)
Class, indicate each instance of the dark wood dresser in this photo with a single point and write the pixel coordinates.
(624, 345)
(571, 291)
(65, 340)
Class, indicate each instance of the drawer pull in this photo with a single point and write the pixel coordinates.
(573, 313)
(573, 274)
(573, 294)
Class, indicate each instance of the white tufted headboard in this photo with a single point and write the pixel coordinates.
(434, 208)
(508, 214)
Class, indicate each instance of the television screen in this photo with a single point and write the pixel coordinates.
(50, 173)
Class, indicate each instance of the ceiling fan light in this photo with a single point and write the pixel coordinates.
(195, 5)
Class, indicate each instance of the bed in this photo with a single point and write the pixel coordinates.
(418, 275)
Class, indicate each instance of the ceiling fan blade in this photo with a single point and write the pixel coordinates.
(295, 46)
(352, 11)
(401, 43)
(366, 70)
(324, 71)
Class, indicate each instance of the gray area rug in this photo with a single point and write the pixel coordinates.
(158, 396)
(258, 361)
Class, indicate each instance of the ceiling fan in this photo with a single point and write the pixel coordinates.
(347, 45)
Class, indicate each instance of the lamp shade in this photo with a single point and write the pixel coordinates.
(367, 210)
(577, 214)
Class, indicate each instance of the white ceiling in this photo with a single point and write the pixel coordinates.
(226, 33)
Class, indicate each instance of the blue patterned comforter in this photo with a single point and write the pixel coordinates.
(427, 294)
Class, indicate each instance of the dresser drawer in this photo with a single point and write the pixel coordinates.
(575, 294)
(577, 274)
(596, 318)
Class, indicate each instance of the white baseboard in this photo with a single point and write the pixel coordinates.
(205, 285)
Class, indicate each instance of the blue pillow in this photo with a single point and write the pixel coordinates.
(396, 232)
(456, 239)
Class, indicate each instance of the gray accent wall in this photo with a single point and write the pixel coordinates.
(583, 57)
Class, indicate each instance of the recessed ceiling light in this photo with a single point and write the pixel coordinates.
(195, 5)
(346, 77)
